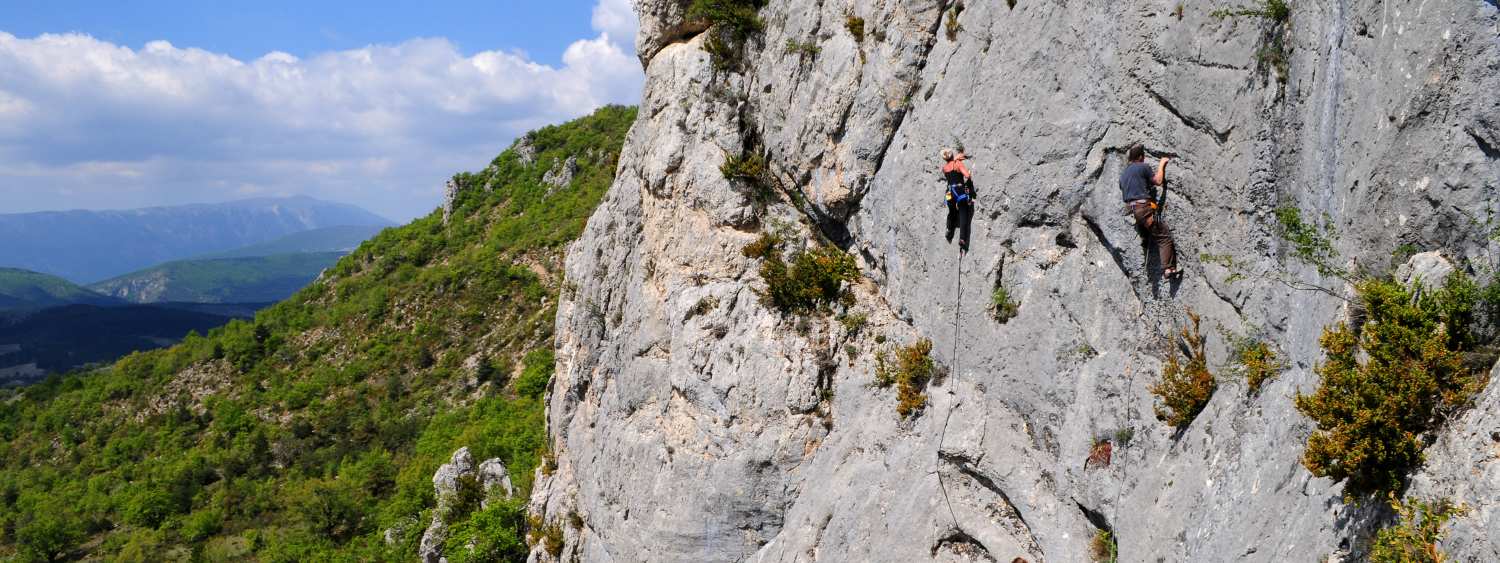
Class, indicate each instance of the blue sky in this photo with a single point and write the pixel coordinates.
(248, 29)
(131, 104)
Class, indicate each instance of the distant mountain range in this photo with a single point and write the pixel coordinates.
(88, 246)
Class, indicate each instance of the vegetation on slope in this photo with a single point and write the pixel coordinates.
(25, 289)
(253, 279)
(305, 434)
(59, 339)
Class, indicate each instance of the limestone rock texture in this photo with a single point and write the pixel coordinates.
(693, 422)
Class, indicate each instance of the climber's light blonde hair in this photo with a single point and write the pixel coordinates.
(947, 154)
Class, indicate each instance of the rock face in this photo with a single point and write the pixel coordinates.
(730, 432)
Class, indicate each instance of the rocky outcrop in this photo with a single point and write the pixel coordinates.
(561, 174)
(446, 483)
(450, 196)
(730, 432)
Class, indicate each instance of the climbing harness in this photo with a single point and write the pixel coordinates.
(957, 192)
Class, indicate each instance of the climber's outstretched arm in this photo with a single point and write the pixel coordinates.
(1161, 172)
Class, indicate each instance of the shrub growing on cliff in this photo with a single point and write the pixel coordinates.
(1258, 362)
(1274, 52)
(1413, 539)
(856, 27)
(910, 372)
(1002, 306)
(814, 280)
(1389, 382)
(803, 49)
(951, 26)
(743, 166)
(740, 17)
(1185, 389)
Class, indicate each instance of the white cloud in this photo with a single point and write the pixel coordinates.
(617, 19)
(380, 126)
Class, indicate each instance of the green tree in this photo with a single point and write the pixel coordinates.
(49, 535)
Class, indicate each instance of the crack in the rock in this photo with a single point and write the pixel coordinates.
(1237, 309)
(960, 542)
(965, 466)
(1196, 124)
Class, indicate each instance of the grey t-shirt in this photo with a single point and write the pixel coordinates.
(1135, 182)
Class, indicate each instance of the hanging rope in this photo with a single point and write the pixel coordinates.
(943, 435)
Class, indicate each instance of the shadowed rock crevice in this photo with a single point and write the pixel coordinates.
(962, 545)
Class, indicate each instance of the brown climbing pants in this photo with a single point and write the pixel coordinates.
(1149, 223)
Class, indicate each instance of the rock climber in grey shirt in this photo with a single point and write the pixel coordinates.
(1138, 189)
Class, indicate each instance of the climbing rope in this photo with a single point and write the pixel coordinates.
(953, 383)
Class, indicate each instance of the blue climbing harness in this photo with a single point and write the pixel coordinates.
(957, 193)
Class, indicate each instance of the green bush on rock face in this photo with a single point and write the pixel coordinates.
(1185, 388)
(811, 283)
(1413, 538)
(740, 17)
(910, 372)
(1388, 382)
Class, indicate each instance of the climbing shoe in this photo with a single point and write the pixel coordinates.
(949, 236)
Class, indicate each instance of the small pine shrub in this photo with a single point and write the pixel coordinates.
(856, 27)
(743, 166)
(1185, 389)
(1103, 549)
(1274, 53)
(910, 372)
(1414, 538)
(807, 48)
(739, 17)
(1124, 435)
(1178, 11)
(854, 322)
(1259, 362)
(702, 307)
(1389, 382)
(1001, 305)
(811, 283)
(1274, 10)
(951, 26)
(549, 536)
(763, 247)
(721, 54)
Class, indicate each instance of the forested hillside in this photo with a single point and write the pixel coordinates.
(312, 432)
